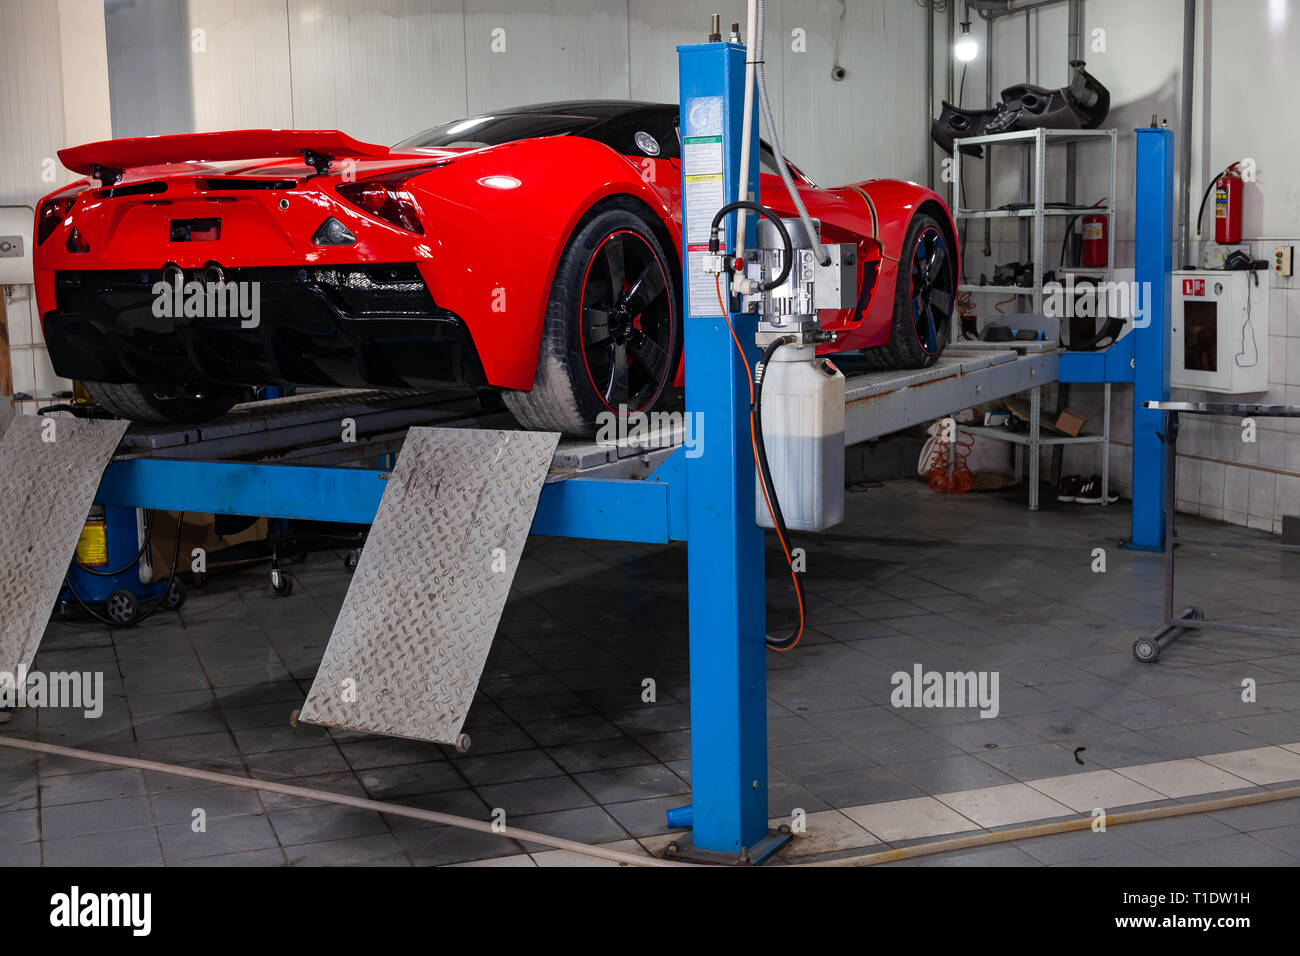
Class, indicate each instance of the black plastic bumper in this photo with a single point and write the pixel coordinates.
(349, 326)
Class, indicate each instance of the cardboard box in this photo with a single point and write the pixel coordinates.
(1070, 423)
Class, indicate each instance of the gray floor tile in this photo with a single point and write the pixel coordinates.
(535, 796)
(947, 774)
(377, 850)
(137, 847)
(323, 824)
(631, 783)
(1238, 849)
(100, 816)
(221, 835)
(584, 825)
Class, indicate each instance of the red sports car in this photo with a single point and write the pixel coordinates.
(534, 252)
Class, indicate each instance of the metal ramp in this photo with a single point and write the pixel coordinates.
(420, 616)
(49, 470)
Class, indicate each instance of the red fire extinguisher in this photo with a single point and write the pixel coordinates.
(1227, 205)
(1095, 245)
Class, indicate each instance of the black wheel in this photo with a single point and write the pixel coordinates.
(925, 294)
(282, 587)
(174, 596)
(1146, 650)
(612, 334)
(121, 608)
(350, 561)
(165, 403)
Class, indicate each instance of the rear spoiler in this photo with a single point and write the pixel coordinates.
(109, 159)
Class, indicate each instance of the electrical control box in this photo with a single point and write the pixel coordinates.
(1219, 330)
(16, 245)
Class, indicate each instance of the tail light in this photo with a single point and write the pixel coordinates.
(387, 198)
(53, 211)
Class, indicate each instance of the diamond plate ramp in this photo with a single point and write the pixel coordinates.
(46, 490)
(410, 642)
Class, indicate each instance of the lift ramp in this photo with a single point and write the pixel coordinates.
(418, 620)
(468, 488)
(50, 468)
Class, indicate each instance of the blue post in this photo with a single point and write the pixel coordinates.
(725, 546)
(1153, 260)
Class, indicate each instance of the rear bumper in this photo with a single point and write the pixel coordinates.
(346, 326)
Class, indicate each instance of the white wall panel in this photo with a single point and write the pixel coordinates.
(658, 27)
(865, 125)
(554, 50)
(380, 69)
(31, 100)
(241, 80)
(149, 67)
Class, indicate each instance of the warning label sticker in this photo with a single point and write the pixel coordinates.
(703, 195)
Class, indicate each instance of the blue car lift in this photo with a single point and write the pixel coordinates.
(284, 459)
(1142, 357)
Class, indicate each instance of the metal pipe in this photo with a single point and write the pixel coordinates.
(1075, 47)
(1185, 135)
(951, 60)
(988, 149)
(989, 838)
(342, 799)
(929, 93)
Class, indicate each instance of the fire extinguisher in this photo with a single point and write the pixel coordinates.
(1227, 205)
(1095, 244)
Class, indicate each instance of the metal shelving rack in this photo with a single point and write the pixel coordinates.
(1039, 212)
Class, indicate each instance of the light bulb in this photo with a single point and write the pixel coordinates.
(966, 48)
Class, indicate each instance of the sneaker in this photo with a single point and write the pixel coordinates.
(1071, 485)
(1090, 493)
(1111, 498)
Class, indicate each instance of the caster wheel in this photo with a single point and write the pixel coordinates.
(462, 744)
(1197, 614)
(199, 579)
(281, 584)
(298, 557)
(174, 596)
(65, 610)
(121, 608)
(1146, 650)
(350, 560)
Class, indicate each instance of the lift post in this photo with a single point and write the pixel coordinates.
(1153, 262)
(1142, 356)
(725, 545)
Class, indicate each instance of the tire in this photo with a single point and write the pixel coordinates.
(144, 403)
(174, 596)
(922, 320)
(611, 339)
(121, 608)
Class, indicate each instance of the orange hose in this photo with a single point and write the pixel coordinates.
(753, 441)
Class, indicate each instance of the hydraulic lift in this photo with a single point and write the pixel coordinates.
(290, 458)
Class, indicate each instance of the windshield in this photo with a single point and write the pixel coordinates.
(495, 130)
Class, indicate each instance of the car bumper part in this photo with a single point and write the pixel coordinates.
(345, 326)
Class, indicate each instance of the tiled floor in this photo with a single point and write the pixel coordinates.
(564, 743)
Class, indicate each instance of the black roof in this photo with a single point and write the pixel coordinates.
(596, 109)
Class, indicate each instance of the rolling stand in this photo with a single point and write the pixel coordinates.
(1147, 649)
